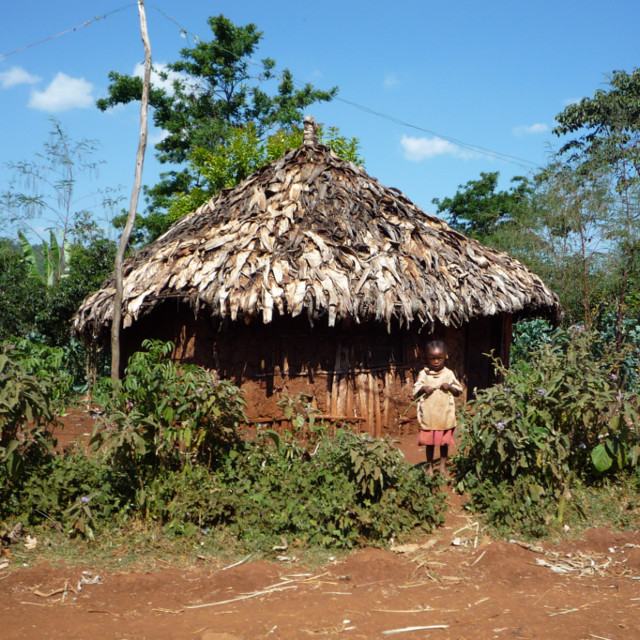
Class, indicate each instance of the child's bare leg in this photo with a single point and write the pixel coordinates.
(430, 451)
(444, 454)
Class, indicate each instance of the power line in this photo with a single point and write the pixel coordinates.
(491, 153)
(465, 145)
(62, 33)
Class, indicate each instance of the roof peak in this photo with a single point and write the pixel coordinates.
(310, 131)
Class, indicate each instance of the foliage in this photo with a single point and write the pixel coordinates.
(20, 297)
(529, 336)
(41, 286)
(49, 365)
(213, 91)
(272, 489)
(73, 493)
(479, 210)
(54, 263)
(335, 491)
(608, 125)
(166, 416)
(45, 188)
(606, 147)
(561, 415)
(26, 419)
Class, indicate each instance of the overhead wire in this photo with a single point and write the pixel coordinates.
(62, 33)
(184, 33)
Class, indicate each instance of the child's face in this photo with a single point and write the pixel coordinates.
(436, 358)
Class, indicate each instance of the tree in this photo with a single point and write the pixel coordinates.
(41, 286)
(213, 91)
(606, 141)
(135, 194)
(480, 211)
(573, 231)
(44, 190)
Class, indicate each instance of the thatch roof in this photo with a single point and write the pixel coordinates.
(313, 234)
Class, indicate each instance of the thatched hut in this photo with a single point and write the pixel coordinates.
(312, 277)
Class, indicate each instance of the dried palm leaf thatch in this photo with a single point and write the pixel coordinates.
(312, 233)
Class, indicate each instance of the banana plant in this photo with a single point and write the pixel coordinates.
(55, 260)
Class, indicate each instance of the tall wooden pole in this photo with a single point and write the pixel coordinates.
(135, 194)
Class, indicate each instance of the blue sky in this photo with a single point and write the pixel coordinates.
(491, 75)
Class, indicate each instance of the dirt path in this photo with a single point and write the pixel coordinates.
(459, 583)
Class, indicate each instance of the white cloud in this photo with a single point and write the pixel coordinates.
(567, 101)
(62, 94)
(417, 149)
(391, 80)
(17, 75)
(156, 136)
(156, 80)
(538, 127)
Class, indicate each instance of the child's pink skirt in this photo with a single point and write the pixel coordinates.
(437, 438)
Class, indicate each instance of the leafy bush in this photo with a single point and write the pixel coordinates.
(561, 415)
(529, 336)
(166, 450)
(166, 415)
(271, 488)
(26, 419)
(50, 365)
(72, 493)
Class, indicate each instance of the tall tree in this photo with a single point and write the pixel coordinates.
(135, 194)
(574, 238)
(604, 138)
(44, 191)
(215, 88)
(479, 210)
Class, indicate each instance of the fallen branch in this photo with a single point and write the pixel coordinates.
(55, 592)
(406, 629)
(235, 564)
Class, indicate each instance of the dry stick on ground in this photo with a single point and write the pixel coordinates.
(279, 586)
(407, 629)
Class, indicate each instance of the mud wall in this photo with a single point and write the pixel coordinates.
(360, 374)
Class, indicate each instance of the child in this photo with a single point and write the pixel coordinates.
(436, 409)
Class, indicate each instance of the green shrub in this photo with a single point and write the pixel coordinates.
(73, 493)
(271, 488)
(166, 451)
(26, 420)
(50, 365)
(562, 414)
(166, 415)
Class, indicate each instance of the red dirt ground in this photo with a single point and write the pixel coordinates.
(458, 584)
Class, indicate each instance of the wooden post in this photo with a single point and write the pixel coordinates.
(376, 400)
(387, 397)
(133, 204)
(370, 410)
(335, 381)
(362, 395)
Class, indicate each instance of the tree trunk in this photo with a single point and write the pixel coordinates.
(135, 194)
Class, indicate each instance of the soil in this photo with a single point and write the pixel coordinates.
(458, 584)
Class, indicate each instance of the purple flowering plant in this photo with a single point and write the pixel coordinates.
(559, 414)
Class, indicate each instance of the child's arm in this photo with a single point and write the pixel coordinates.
(450, 388)
(421, 387)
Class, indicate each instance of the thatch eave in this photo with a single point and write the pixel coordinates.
(313, 234)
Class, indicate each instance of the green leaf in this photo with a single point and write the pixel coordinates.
(536, 492)
(602, 461)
